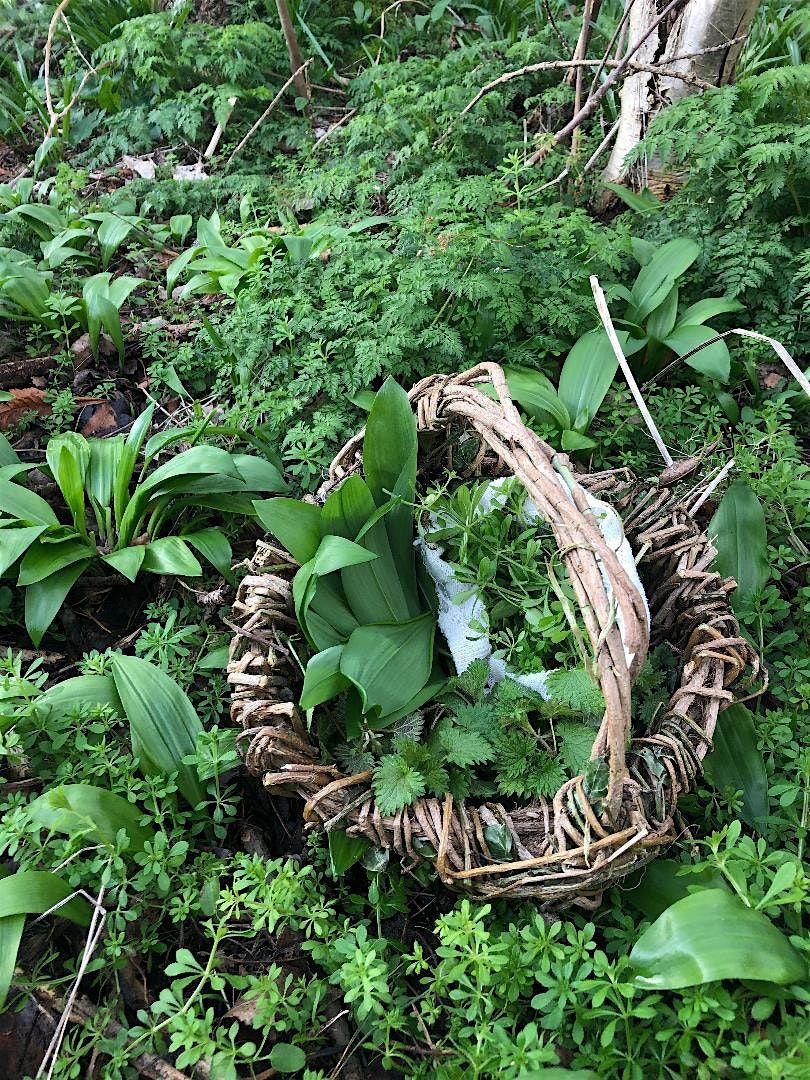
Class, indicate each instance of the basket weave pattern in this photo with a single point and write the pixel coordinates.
(563, 851)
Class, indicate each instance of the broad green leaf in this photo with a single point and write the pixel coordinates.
(660, 885)
(661, 321)
(112, 232)
(739, 533)
(70, 478)
(323, 679)
(18, 502)
(295, 524)
(258, 473)
(572, 440)
(162, 721)
(213, 545)
(126, 464)
(706, 309)
(657, 277)
(363, 399)
(390, 444)
(45, 220)
(105, 460)
(713, 360)
(345, 851)
(586, 376)
(334, 552)
(33, 892)
(390, 449)
(179, 225)
(432, 688)
(14, 542)
(216, 660)
(736, 762)
(78, 448)
(713, 935)
(128, 561)
(286, 1058)
(330, 613)
(390, 664)
(11, 930)
(8, 455)
(375, 591)
(79, 695)
(536, 395)
(196, 461)
(44, 598)
(171, 378)
(207, 467)
(171, 555)
(93, 814)
(176, 268)
(43, 559)
(642, 201)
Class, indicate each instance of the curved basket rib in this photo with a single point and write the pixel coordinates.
(562, 851)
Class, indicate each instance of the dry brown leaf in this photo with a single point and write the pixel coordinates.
(22, 401)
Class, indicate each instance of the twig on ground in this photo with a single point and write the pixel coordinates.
(589, 16)
(550, 16)
(297, 67)
(82, 1012)
(55, 116)
(589, 164)
(269, 109)
(610, 330)
(617, 33)
(711, 487)
(94, 932)
(339, 123)
(395, 8)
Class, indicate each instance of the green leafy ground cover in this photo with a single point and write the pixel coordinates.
(410, 240)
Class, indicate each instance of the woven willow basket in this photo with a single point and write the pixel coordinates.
(563, 850)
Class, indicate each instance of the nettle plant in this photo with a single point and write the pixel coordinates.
(123, 512)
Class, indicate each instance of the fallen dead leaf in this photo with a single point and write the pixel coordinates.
(22, 401)
(102, 421)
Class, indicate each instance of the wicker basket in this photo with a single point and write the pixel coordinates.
(563, 850)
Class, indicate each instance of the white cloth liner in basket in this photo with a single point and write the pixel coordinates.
(456, 618)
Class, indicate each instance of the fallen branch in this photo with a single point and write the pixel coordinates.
(344, 119)
(269, 109)
(297, 67)
(218, 130)
(589, 164)
(83, 1012)
(777, 347)
(618, 70)
(629, 66)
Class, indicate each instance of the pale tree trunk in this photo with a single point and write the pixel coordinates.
(703, 40)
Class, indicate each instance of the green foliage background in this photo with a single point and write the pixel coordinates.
(479, 259)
